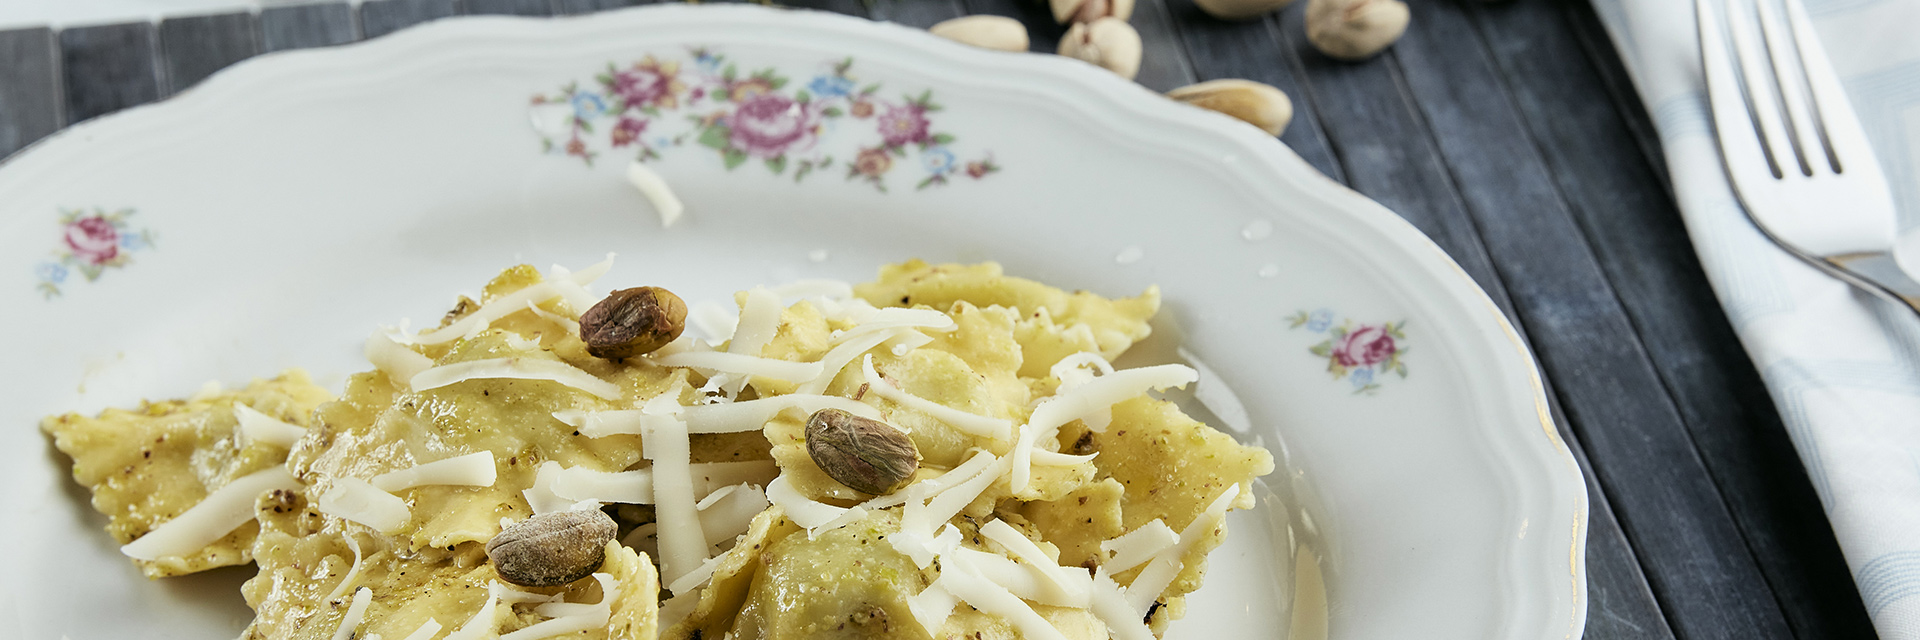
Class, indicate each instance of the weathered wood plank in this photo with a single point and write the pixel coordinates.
(507, 7)
(572, 7)
(108, 68)
(856, 8)
(307, 25)
(1164, 65)
(1668, 502)
(29, 88)
(381, 17)
(1638, 239)
(1255, 51)
(1620, 603)
(194, 47)
(915, 13)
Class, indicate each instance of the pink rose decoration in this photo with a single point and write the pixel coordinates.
(93, 240)
(768, 124)
(650, 83)
(903, 125)
(627, 131)
(1363, 347)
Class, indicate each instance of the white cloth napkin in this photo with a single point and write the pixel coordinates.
(1843, 367)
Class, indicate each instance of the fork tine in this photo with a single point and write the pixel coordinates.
(1847, 142)
(1761, 98)
(1787, 71)
(1739, 147)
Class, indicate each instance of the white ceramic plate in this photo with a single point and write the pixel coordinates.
(273, 216)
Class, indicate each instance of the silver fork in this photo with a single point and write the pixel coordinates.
(1808, 180)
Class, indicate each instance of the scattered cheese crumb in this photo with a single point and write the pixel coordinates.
(222, 511)
(655, 189)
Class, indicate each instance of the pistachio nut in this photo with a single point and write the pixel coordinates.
(986, 32)
(1240, 9)
(868, 455)
(1355, 29)
(1252, 102)
(551, 549)
(1108, 42)
(1065, 11)
(630, 322)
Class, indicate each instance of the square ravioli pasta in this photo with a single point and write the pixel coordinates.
(945, 452)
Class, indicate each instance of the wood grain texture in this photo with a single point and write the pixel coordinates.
(1627, 213)
(507, 7)
(1619, 405)
(571, 7)
(915, 13)
(194, 47)
(1164, 66)
(1254, 50)
(307, 25)
(381, 17)
(855, 8)
(108, 68)
(29, 88)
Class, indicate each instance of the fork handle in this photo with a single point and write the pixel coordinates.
(1876, 272)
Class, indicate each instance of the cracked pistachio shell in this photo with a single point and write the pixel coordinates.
(1252, 102)
(1355, 30)
(1240, 9)
(987, 32)
(1108, 42)
(1065, 11)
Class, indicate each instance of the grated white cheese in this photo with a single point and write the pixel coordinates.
(260, 427)
(1161, 571)
(923, 546)
(753, 415)
(427, 630)
(355, 611)
(683, 544)
(932, 606)
(905, 342)
(353, 572)
(804, 511)
(949, 503)
(838, 357)
(1100, 393)
(747, 365)
(1071, 584)
(572, 326)
(518, 369)
(759, 321)
(400, 363)
(892, 319)
(929, 487)
(580, 484)
(484, 622)
(657, 192)
(568, 617)
(978, 425)
(1047, 458)
(540, 497)
(847, 517)
(1109, 604)
(714, 322)
(991, 598)
(222, 511)
(357, 500)
(471, 470)
(1021, 580)
(1137, 546)
(725, 514)
(696, 578)
(500, 307)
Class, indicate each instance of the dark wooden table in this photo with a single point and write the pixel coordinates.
(1508, 132)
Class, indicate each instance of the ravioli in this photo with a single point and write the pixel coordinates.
(1027, 471)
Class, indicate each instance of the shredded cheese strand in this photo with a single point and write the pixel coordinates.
(259, 427)
(1137, 546)
(357, 500)
(658, 194)
(355, 611)
(484, 622)
(222, 511)
(727, 513)
(1023, 548)
(759, 321)
(353, 572)
(1100, 393)
(973, 424)
(683, 544)
(1109, 604)
(518, 369)
(931, 486)
(994, 599)
(427, 630)
(1161, 571)
(932, 606)
(840, 356)
(804, 511)
(471, 470)
(501, 307)
(400, 363)
(574, 617)
(572, 326)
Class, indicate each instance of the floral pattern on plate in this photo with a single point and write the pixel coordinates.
(648, 107)
(1360, 353)
(91, 242)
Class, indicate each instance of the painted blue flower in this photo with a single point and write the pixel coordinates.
(830, 87)
(1362, 377)
(707, 62)
(132, 241)
(938, 160)
(51, 272)
(587, 106)
(1320, 320)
